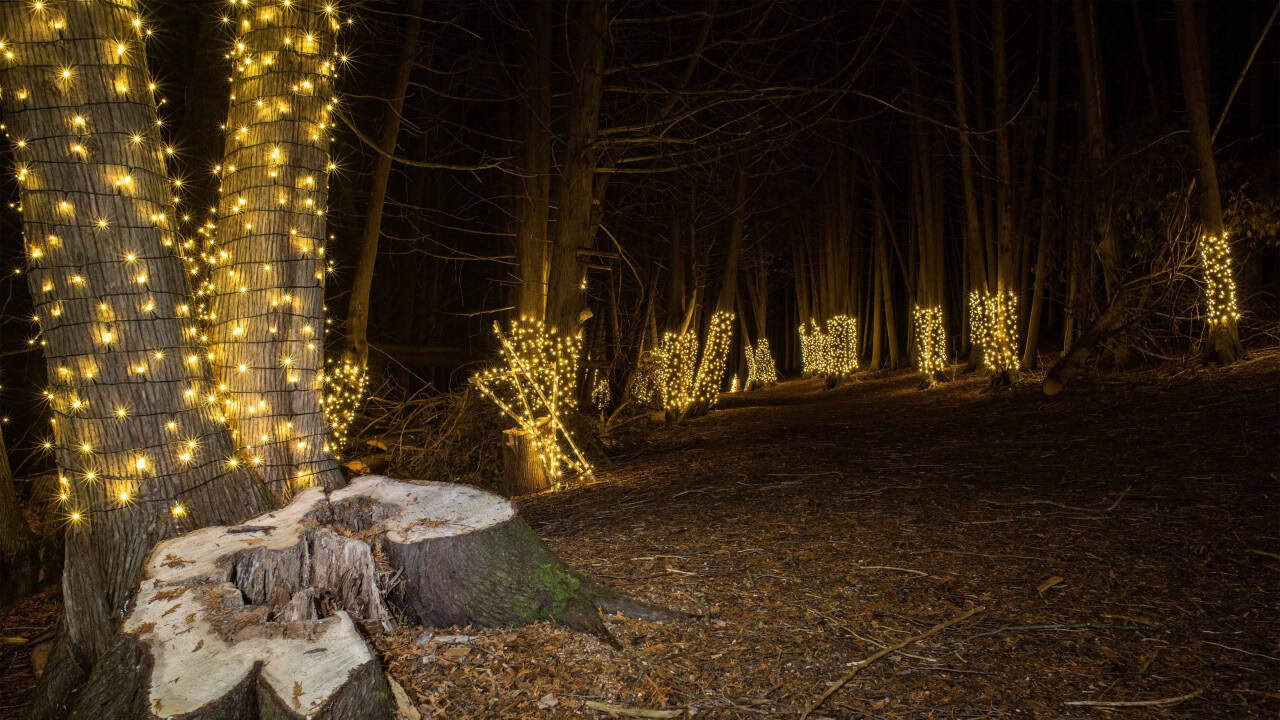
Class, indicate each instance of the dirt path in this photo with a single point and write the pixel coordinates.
(813, 527)
(809, 528)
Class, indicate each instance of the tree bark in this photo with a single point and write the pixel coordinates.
(111, 297)
(975, 262)
(362, 278)
(1223, 334)
(268, 610)
(19, 563)
(1044, 246)
(266, 332)
(566, 305)
(531, 235)
(1095, 139)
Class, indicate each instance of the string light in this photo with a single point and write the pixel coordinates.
(993, 328)
(536, 386)
(832, 351)
(345, 384)
(761, 370)
(931, 339)
(1220, 284)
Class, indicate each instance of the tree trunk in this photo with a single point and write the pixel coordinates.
(523, 471)
(1043, 249)
(566, 305)
(367, 259)
(1006, 271)
(19, 561)
(1214, 243)
(268, 610)
(266, 333)
(110, 295)
(531, 235)
(1095, 139)
(977, 279)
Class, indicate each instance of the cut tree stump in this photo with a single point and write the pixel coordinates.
(523, 471)
(264, 619)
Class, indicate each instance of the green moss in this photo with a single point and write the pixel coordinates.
(552, 591)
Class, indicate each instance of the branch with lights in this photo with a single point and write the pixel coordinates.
(536, 386)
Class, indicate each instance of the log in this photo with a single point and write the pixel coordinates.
(523, 471)
(265, 619)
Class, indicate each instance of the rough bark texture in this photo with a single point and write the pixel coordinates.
(574, 228)
(523, 471)
(534, 208)
(19, 554)
(268, 324)
(111, 297)
(262, 619)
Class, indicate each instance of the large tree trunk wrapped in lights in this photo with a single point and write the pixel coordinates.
(139, 452)
(269, 609)
(267, 325)
(1215, 249)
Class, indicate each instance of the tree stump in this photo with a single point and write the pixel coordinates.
(523, 471)
(264, 619)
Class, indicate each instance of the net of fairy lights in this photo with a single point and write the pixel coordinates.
(978, 333)
(535, 384)
(830, 350)
(761, 370)
(134, 417)
(601, 392)
(674, 362)
(1220, 284)
(999, 328)
(931, 339)
(344, 386)
(715, 353)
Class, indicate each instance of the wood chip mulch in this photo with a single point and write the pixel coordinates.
(1123, 538)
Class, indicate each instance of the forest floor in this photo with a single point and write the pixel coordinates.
(1123, 540)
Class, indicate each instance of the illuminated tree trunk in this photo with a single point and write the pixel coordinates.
(575, 231)
(267, 329)
(362, 279)
(531, 234)
(1044, 246)
(1223, 335)
(137, 446)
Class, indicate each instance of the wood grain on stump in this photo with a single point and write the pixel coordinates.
(265, 619)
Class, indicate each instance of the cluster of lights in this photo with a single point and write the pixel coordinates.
(931, 339)
(1220, 284)
(644, 384)
(715, 353)
(536, 386)
(675, 361)
(345, 384)
(761, 370)
(993, 328)
(601, 393)
(831, 351)
(98, 214)
(258, 271)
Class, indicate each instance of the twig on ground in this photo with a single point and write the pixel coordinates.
(876, 656)
(621, 711)
(1135, 703)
